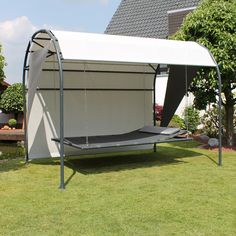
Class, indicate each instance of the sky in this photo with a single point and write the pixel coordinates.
(19, 19)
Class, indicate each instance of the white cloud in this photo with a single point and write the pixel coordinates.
(16, 30)
(14, 37)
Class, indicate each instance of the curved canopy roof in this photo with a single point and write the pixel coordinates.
(113, 48)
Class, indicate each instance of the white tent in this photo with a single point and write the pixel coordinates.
(82, 84)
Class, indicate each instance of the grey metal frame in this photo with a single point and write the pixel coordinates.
(219, 105)
(219, 114)
(61, 78)
(25, 67)
(157, 72)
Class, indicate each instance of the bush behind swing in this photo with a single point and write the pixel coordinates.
(12, 123)
(191, 119)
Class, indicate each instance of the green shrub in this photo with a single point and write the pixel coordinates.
(210, 122)
(12, 122)
(11, 150)
(191, 118)
(12, 99)
(177, 122)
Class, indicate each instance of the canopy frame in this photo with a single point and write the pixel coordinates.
(61, 89)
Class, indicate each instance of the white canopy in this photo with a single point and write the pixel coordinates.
(113, 48)
(124, 49)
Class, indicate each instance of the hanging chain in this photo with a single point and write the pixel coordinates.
(186, 102)
(86, 106)
(144, 95)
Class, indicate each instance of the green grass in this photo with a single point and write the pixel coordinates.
(10, 150)
(177, 191)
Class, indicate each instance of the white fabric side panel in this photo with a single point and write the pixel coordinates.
(43, 125)
(113, 48)
(98, 80)
(106, 112)
(35, 64)
(88, 112)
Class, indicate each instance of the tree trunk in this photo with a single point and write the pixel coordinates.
(229, 124)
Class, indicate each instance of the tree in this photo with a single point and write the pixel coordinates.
(213, 24)
(12, 99)
(2, 64)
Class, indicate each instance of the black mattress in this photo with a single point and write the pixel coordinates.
(133, 138)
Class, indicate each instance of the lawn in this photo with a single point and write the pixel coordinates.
(177, 191)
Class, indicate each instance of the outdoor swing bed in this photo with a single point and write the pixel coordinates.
(87, 93)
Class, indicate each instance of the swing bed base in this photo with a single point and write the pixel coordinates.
(146, 135)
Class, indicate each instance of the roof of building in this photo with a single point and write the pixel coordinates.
(147, 18)
(3, 85)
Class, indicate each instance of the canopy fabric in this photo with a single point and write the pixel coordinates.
(113, 48)
(36, 64)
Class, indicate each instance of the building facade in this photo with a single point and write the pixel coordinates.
(149, 18)
(152, 19)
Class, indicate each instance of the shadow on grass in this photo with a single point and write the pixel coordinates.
(211, 159)
(97, 164)
(193, 144)
(12, 164)
(120, 162)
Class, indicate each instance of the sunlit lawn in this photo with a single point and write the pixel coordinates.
(177, 191)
